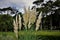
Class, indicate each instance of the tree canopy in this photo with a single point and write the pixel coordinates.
(6, 23)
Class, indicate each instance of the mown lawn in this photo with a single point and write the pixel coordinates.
(43, 33)
(39, 35)
(31, 35)
(7, 36)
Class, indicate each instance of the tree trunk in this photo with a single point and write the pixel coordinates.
(6, 30)
(41, 24)
(59, 24)
(51, 24)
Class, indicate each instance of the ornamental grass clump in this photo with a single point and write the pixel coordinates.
(26, 18)
(32, 18)
(29, 17)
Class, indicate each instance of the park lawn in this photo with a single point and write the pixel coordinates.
(7, 33)
(31, 35)
(39, 35)
(7, 36)
(43, 33)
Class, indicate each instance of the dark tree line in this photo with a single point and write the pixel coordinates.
(51, 21)
(6, 20)
(13, 11)
(6, 23)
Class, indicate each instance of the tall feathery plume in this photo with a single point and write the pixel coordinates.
(38, 21)
(32, 18)
(25, 18)
(16, 27)
(20, 25)
(15, 23)
(29, 23)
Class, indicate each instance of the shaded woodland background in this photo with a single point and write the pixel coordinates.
(50, 16)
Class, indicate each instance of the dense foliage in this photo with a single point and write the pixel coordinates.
(30, 17)
(6, 23)
(51, 10)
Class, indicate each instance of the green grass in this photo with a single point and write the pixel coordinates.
(32, 35)
(39, 35)
(7, 36)
(44, 33)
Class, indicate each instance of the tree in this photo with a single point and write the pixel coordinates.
(9, 9)
(48, 7)
(6, 23)
(39, 2)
